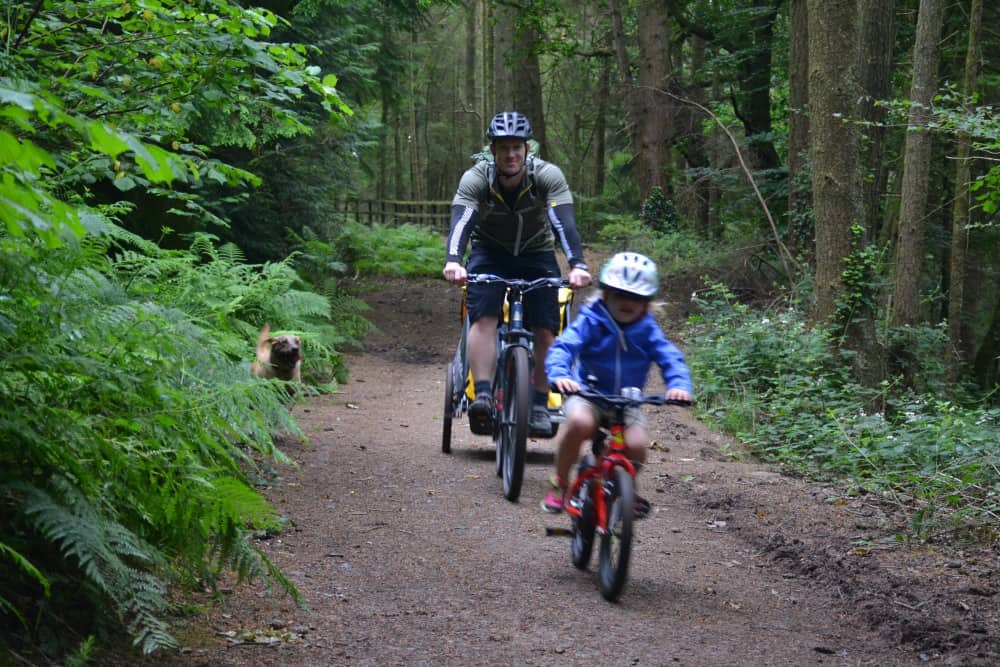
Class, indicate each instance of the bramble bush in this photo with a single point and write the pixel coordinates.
(784, 389)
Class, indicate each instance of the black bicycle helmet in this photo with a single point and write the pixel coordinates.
(509, 124)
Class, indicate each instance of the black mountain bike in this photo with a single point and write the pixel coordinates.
(512, 381)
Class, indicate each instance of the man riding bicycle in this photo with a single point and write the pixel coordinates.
(513, 209)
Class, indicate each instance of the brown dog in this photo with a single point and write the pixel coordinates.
(278, 357)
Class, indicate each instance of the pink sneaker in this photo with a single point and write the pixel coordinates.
(553, 502)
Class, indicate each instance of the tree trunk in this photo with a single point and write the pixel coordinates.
(489, 91)
(755, 84)
(529, 75)
(799, 201)
(836, 174)
(516, 71)
(654, 111)
(474, 123)
(600, 126)
(413, 144)
(988, 357)
(834, 87)
(649, 114)
(381, 185)
(908, 269)
(957, 325)
(654, 114)
(503, 59)
(696, 151)
(878, 35)
(398, 185)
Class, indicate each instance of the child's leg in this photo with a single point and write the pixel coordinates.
(636, 442)
(581, 424)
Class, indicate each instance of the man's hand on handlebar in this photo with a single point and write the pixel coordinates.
(579, 278)
(454, 273)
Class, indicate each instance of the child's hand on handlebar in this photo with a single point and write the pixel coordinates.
(566, 385)
(679, 395)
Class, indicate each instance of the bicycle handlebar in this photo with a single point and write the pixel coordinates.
(525, 284)
(618, 400)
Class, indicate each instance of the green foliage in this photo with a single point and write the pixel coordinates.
(658, 211)
(954, 115)
(321, 263)
(860, 279)
(921, 351)
(214, 286)
(129, 428)
(405, 250)
(673, 251)
(781, 386)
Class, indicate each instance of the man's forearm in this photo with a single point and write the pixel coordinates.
(463, 219)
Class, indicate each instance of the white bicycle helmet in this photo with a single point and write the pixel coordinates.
(632, 273)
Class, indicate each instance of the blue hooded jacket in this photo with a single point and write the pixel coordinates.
(617, 355)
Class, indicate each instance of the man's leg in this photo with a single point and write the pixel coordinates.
(541, 422)
(482, 348)
(543, 341)
(482, 353)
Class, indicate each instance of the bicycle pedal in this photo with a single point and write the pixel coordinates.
(558, 532)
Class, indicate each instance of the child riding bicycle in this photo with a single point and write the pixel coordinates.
(612, 342)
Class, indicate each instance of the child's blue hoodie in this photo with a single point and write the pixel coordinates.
(617, 355)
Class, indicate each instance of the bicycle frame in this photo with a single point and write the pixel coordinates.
(510, 331)
(606, 459)
(512, 334)
(603, 468)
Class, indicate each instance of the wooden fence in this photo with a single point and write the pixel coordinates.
(397, 212)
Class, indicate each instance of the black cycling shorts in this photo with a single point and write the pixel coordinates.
(541, 306)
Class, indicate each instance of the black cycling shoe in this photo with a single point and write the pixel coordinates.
(481, 415)
(541, 422)
(641, 508)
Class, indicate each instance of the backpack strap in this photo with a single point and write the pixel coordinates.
(532, 190)
(491, 167)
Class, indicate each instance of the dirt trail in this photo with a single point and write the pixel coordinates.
(407, 556)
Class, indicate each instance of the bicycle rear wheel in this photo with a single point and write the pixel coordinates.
(449, 408)
(514, 420)
(616, 544)
(583, 527)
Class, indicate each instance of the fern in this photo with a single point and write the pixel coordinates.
(130, 426)
(103, 550)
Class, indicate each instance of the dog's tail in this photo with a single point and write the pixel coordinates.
(263, 340)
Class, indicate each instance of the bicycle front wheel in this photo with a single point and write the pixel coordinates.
(616, 543)
(514, 420)
(449, 408)
(583, 527)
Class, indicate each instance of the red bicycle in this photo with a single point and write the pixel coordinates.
(602, 498)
